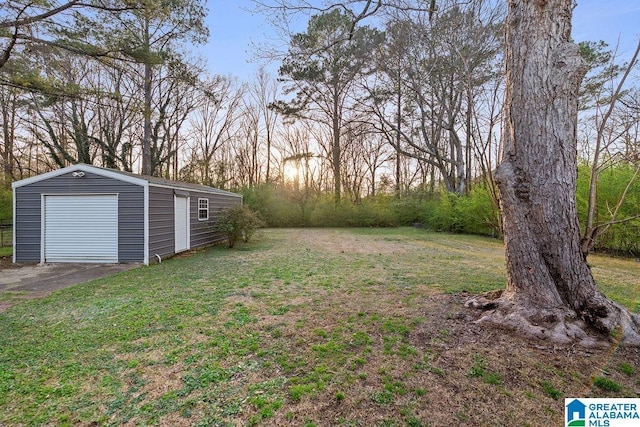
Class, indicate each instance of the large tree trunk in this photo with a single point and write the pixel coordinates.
(550, 291)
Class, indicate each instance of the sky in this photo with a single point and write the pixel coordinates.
(233, 30)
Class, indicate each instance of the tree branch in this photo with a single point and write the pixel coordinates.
(7, 52)
(364, 14)
(36, 18)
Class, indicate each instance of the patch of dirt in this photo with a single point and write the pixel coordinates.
(468, 374)
(6, 262)
(337, 241)
(15, 299)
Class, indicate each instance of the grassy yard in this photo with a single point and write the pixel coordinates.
(312, 327)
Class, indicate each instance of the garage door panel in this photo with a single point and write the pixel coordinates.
(81, 228)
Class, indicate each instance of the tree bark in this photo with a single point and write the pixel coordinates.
(550, 290)
(398, 137)
(8, 105)
(336, 146)
(147, 163)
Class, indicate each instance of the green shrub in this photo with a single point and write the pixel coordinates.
(408, 210)
(327, 213)
(367, 213)
(476, 212)
(473, 213)
(612, 183)
(442, 213)
(238, 223)
(378, 212)
(280, 207)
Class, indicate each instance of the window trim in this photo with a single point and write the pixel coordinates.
(203, 208)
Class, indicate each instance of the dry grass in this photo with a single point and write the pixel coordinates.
(305, 327)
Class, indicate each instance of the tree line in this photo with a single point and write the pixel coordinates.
(410, 103)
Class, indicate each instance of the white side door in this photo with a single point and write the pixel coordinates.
(181, 215)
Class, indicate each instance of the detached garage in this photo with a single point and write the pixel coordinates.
(85, 213)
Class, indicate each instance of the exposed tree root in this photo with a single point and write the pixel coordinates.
(562, 325)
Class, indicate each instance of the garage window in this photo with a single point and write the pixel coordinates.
(203, 209)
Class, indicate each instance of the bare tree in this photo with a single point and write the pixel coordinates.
(214, 124)
(602, 118)
(150, 35)
(263, 93)
(10, 100)
(116, 116)
(365, 152)
(301, 169)
(67, 123)
(322, 66)
(436, 65)
(247, 146)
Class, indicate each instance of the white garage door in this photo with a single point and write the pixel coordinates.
(81, 228)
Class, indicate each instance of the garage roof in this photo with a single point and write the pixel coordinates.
(123, 176)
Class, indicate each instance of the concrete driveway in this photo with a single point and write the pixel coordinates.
(38, 280)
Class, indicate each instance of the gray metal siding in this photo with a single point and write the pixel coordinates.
(131, 224)
(27, 225)
(201, 231)
(161, 222)
(28, 219)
